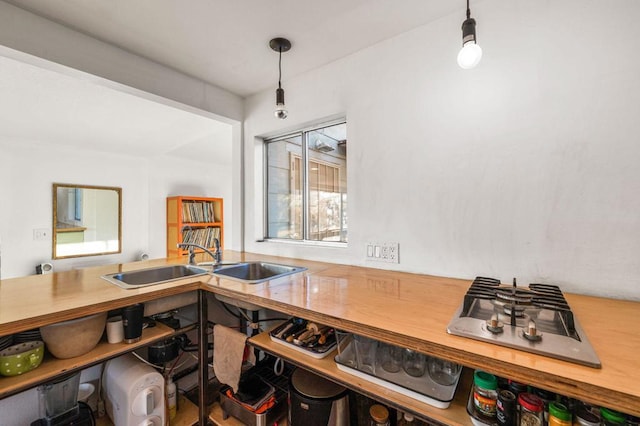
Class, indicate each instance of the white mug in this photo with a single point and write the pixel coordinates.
(115, 330)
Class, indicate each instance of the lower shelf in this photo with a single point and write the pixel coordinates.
(456, 414)
(52, 367)
(215, 416)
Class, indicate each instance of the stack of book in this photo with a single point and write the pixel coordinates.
(198, 212)
(201, 236)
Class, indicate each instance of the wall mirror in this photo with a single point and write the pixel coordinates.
(86, 220)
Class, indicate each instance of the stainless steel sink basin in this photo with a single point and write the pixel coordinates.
(256, 272)
(152, 276)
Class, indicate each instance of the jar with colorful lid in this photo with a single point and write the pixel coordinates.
(585, 415)
(531, 410)
(611, 417)
(559, 415)
(485, 393)
(379, 415)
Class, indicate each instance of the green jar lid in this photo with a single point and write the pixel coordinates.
(559, 411)
(485, 380)
(612, 416)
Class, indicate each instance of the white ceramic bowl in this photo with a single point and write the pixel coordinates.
(69, 339)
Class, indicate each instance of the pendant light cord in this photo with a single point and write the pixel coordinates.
(468, 10)
(280, 68)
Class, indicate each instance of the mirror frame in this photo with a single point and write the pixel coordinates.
(55, 218)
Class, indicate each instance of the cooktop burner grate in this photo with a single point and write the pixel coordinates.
(536, 319)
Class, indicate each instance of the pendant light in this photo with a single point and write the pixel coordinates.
(280, 45)
(471, 53)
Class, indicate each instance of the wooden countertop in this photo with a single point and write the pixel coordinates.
(406, 309)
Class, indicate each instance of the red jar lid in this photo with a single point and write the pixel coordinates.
(530, 402)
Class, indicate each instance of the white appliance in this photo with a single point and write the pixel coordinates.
(134, 392)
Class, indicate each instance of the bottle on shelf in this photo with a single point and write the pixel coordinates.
(172, 398)
(379, 415)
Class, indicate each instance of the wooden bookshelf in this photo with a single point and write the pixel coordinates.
(193, 220)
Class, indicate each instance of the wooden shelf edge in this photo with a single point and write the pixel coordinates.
(52, 367)
(215, 416)
(456, 414)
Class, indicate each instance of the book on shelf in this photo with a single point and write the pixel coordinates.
(198, 212)
(201, 236)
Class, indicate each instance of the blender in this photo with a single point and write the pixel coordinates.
(58, 401)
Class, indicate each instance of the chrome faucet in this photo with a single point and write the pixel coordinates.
(217, 256)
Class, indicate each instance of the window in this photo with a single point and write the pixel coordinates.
(306, 184)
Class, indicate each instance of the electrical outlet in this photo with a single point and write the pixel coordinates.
(383, 252)
(40, 234)
(393, 256)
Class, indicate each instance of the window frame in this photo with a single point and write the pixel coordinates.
(303, 133)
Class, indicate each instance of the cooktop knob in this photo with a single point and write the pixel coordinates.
(494, 325)
(531, 333)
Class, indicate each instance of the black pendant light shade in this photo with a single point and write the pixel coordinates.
(280, 45)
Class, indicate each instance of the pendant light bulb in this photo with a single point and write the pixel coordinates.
(471, 53)
(281, 111)
(280, 45)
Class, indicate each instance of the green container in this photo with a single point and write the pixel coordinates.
(21, 358)
(611, 417)
(559, 414)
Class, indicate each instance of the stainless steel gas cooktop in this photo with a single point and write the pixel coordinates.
(536, 319)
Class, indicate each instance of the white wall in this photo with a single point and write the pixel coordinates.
(171, 176)
(526, 166)
(28, 170)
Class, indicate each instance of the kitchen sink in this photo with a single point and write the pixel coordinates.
(256, 272)
(152, 276)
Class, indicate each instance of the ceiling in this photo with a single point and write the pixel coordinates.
(225, 42)
(44, 106)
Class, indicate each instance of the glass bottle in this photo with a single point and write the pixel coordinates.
(378, 415)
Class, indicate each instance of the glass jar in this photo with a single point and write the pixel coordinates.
(378, 415)
(611, 417)
(414, 363)
(485, 393)
(546, 397)
(531, 410)
(390, 357)
(585, 414)
(443, 372)
(559, 415)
